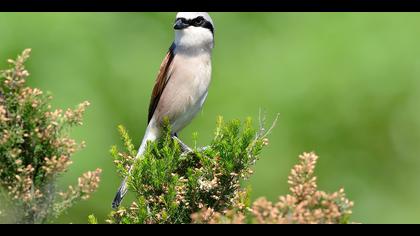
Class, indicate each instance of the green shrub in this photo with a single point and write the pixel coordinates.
(35, 150)
(304, 205)
(204, 186)
(171, 185)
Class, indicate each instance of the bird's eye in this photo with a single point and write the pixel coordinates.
(198, 21)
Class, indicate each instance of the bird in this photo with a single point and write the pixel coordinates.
(182, 83)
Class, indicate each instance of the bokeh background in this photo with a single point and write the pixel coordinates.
(346, 85)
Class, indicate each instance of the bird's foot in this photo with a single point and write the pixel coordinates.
(184, 147)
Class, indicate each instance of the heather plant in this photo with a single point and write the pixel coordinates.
(170, 185)
(35, 150)
(206, 185)
(304, 205)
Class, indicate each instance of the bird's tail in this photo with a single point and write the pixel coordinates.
(122, 190)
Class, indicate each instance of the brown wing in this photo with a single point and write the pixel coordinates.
(161, 81)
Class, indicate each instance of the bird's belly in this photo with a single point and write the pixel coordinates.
(188, 112)
(184, 94)
(190, 99)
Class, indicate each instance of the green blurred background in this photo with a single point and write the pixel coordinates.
(346, 85)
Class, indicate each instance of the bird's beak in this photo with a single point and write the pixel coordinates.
(179, 25)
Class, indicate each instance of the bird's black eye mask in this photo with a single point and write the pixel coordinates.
(182, 23)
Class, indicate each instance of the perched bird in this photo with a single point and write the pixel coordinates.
(182, 83)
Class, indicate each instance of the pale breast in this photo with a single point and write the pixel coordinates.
(186, 90)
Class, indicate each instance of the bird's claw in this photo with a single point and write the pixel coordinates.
(184, 147)
(187, 150)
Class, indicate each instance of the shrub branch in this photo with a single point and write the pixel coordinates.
(35, 150)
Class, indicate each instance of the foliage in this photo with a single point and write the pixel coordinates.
(205, 186)
(171, 185)
(304, 205)
(35, 149)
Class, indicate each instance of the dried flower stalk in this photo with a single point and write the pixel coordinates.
(304, 205)
(35, 149)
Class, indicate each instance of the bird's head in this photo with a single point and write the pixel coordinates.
(194, 30)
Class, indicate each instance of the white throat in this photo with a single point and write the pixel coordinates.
(194, 39)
